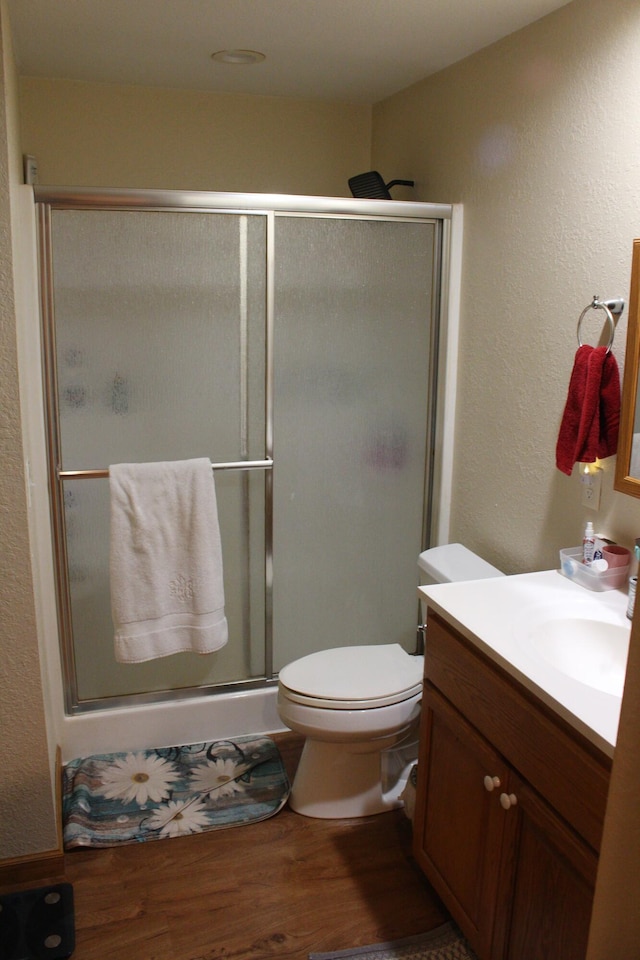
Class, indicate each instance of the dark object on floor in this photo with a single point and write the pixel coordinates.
(444, 943)
(37, 923)
(371, 186)
(171, 791)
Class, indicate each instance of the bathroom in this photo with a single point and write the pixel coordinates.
(544, 166)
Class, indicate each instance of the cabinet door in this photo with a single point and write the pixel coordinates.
(548, 881)
(459, 823)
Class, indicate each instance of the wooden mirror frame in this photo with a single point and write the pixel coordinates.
(623, 481)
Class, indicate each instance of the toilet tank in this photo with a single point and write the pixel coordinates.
(451, 562)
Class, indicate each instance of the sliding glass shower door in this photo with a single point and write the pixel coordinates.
(293, 345)
(158, 354)
(354, 301)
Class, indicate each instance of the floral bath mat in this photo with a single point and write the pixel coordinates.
(171, 791)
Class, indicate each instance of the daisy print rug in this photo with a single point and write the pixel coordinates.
(171, 791)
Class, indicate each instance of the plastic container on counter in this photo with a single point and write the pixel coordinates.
(573, 568)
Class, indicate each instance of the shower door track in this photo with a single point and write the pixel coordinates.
(269, 206)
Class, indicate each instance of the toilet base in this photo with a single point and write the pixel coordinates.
(332, 783)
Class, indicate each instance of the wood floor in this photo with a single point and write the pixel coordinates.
(280, 888)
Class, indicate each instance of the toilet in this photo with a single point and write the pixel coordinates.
(358, 708)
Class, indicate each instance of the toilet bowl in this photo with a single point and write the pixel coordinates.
(358, 708)
(351, 704)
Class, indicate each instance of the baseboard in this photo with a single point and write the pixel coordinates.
(34, 868)
(58, 800)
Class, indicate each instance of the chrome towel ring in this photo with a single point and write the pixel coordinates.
(610, 307)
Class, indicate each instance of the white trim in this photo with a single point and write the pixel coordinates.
(448, 377)
(146, 726)
(34, 447)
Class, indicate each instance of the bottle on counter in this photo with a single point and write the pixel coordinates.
(588, 544)
(633, 583)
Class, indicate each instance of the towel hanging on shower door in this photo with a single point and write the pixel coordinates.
(167, 593)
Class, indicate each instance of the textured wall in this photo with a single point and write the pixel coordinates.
(27, 818)
(539, 137)
(110, 135)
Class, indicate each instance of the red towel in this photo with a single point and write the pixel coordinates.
(591, 418)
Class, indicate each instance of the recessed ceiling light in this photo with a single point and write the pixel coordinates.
(243, 57)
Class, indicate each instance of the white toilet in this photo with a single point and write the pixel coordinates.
(359, 708)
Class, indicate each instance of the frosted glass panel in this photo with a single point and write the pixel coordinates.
(160, 355)
(153, 312)
(351, 397)
(97, 672)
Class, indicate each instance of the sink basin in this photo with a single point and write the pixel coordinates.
(566, 644)
(591, 651)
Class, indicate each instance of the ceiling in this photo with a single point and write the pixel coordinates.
(357, 50)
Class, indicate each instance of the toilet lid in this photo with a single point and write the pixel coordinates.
(354, 677)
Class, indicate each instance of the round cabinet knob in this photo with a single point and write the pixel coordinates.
(490, 783)
(508, 800)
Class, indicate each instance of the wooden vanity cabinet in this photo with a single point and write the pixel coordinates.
(509, 808)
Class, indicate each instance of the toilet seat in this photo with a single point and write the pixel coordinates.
(353, 678)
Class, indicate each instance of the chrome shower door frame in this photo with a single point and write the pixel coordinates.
(269, 206)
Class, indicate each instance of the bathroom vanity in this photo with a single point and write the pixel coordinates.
(515, 757)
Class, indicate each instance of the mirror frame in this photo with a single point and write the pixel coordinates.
(623, 481)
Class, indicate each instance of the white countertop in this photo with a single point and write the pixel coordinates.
(497, 615)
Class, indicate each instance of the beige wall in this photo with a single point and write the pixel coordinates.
(27, 816)
(539, 137)
(110, 135)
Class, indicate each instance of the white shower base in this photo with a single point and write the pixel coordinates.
(195, 720)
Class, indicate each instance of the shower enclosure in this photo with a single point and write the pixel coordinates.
(294, 342)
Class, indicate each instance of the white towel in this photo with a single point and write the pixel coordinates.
(167, 593)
